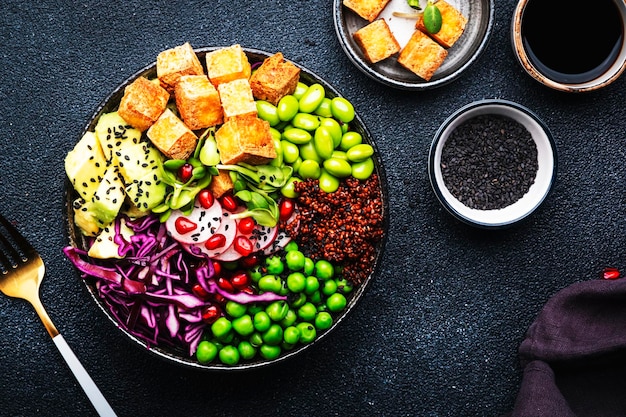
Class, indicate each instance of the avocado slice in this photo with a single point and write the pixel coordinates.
(109, 197)
(85, 166)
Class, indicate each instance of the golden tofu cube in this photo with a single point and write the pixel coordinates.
(142, 104)
(227, 64)
(274, 79)
(171, 64)
(422, 55)
(172, 137)
(376, 41)
(367, 9)
(452, 25)
(198, 102)
(245, 139)
(221, 184)
(237, 100)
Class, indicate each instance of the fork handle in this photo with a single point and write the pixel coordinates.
(95, 396)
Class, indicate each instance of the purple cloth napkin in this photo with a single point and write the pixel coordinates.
(574, 354)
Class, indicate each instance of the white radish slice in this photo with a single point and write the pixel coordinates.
(228, 228)
(206, 222)
(281, 239)
(263, 236)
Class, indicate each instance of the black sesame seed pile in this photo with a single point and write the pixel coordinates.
(489, 162)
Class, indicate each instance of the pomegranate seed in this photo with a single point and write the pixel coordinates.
(240, 280)
(286, 209)
(225, 284)
(250, 261)
(184, 225)
(246, 225)
(243, 245)
(216, 241)
(610, 273)
(219, 298)
(229, 202)
(199, 291)
(211, 313)
(185, 172)
(248, 290)
(217, 267)
(205, 198)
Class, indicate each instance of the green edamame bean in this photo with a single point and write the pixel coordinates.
(324, 270)
(246, 350)
(328, 183)
(300, 90)
(296, 165)
(342, 109)
(360, 152)
(312, 98)
(267, 111)
(323, 142)
(243, 325)
(287, 107)
(339, 155)
(269, 352)
(309, 169)
(297, 136)
(334, 128)
(338, 167)
(235, 309)
(207, 351)
(291, 335)
(229, 355)
(275, 133)
(305, 121)
(307, 311)
(271, 283)
(290, 319)
(288, 190)
(274, 335)
(307, 151)
(362, 170)
(323, 320)
(311, 285)
(291, 152)
(294, 260)
(278, 147)
(324, 108)
(221, 327)
(350, 139)
(307, 332)
(262, 321)
(296, 282)
(277, 310)
(336, 302)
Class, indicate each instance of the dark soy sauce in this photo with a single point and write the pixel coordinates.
(572, 41)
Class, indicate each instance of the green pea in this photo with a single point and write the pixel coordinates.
(324, 270)
(274, 265)
(256, 273)
(298, 300)
(296, 282)
(235, 309)
(291, 152)
(246, 350)
(290, 319)
(262, 321)
(342, 109)
(315, 297)
(255, 308)
(275, 133)
(269, 352)
(277, 310)
(274, 335)
(307, 151)
(362, 170)
(301, 88)
(294, 260)
(307, 332)
(360, 152)
(221, 327)
(229, 355)
(256, 339)
(291, 245)
(309, 266)
(309, 169)
(305, 121)
(350, 139)
(328, 183)
(207, 351)
(243, 325)
(311, 285)
(287, 107)
(330, 287)
(312, 98)
(307, 311)
(334, 128)
(323, 142)
(288, 190)
(271, 283)
(291, 335)
(324, 108)
(338, 167)
(267, 111)
(344, 286)
(297, 136)
(323, 320)
(336, 302)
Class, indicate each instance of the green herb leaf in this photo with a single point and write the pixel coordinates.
(415, 4)
(432, 18)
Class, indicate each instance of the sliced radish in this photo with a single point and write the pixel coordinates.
(228, 228)
(263, 236)
(199, 225)
(281, 239)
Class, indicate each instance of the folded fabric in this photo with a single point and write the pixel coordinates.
(574, 354)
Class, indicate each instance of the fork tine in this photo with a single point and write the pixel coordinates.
(26, 248)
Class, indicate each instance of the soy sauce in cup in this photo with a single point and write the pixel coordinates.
(572, 41)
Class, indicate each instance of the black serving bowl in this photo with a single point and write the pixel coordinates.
(536, 194)
(179, 355)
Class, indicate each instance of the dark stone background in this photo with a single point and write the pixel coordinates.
(436, 333)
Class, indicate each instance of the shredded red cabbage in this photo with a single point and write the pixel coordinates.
(149, 291)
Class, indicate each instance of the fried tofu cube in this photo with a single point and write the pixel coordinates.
(274, 79)
(376, 41)
(173, 63)
(422, 55)
(221, 184)
(227, 64)
(452, 25)
(198, 102)
(237, 99)
(367, 9)
(245, 139)
(142, 104)
(172, 137)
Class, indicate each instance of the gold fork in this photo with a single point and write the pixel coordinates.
(21, 273)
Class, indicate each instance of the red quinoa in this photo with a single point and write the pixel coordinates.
(343, 227)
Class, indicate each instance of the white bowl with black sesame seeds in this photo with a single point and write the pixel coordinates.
(492, 163)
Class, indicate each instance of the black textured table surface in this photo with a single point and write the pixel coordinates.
(437, 332)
